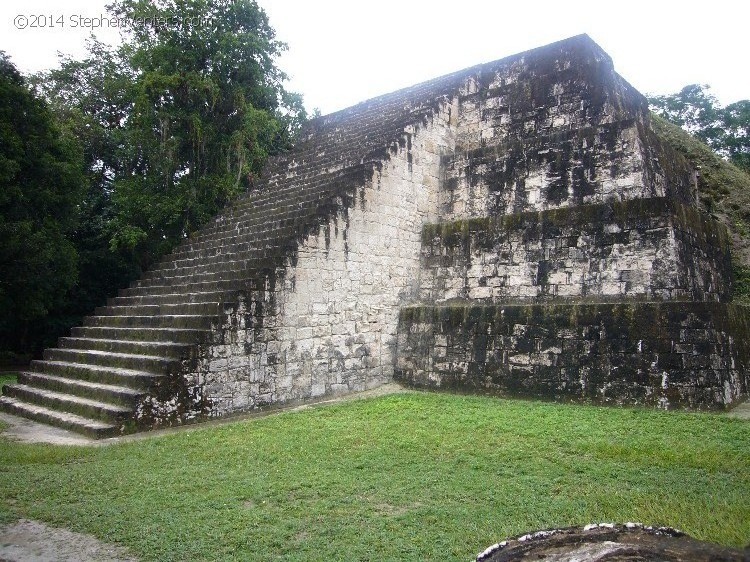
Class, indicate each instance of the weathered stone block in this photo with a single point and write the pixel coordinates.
(626, 353)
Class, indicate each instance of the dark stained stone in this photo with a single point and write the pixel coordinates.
(620, 543)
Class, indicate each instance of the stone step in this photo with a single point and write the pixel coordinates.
(91, 428)
(140, 334)
(300, 190)
(171, 350)
(258, 225)
(259, 231)
(122, 395)
(130, 378)
(171, 321)
(192, 277)
(221, 268)
(174, 298)
(240, 266)
(198, 308)
(84, 407)
(188, 285)
(244, 259)
(306, 189)
(207, 286)
(127, 310)
(239, 260)
(244, 250)
(190, 281)
(148, 363)
(253, 237)
(250, 233)
(289, 219)
(290, 199)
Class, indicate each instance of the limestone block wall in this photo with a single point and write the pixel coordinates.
(656, 354)
(566, 86)
(567, 169)
(561, 217)
(326, 321)
(643, 248)
(535, 150)
(544, 133)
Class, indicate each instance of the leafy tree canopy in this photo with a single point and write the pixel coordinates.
(136, 147)
(179, 119)
(725, 129)
(41, 175)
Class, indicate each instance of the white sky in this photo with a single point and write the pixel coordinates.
(343, 52)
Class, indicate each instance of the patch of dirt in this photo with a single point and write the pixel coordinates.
(742, 411)
(31, 541)
(395, 510)
(28, 431)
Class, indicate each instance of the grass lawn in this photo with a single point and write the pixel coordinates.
(7, 378)
(412, 476)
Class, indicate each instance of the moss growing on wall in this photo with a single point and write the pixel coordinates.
(549, 222)
(660, 354)
(724, 191)
(741, 283)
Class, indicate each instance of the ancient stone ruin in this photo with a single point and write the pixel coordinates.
(514, 228)
(602, 542)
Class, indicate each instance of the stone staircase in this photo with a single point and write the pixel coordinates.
(97, 378)
(105, 379)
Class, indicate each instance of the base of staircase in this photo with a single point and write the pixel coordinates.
(23, 429)
(70, 424)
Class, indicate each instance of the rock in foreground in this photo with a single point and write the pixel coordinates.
(599, 542)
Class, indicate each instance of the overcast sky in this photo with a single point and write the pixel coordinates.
(341, 52)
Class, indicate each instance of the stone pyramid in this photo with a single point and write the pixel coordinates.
(513, 228)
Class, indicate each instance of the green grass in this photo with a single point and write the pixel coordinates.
(7, 378)
(409, 476)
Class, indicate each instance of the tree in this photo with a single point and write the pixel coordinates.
(41, 175)
(170, 126)
(207, 103)
(736, 121)
(175, 123)
(179, 119)
(91, 102)
(725, 129)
